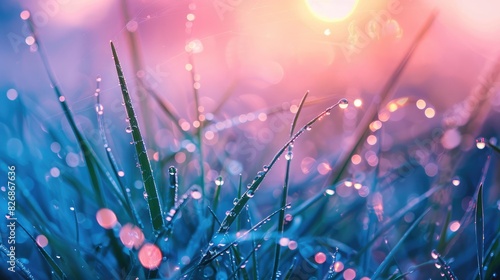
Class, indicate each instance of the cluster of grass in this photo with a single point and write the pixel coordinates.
(97, 226)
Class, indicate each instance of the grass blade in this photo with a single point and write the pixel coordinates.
(442, 237)
(249, 193)
(388, 258)
(173, 188)
(111, 158)
(281, 218)
(155, 210)
(57, 270)
(480, 231)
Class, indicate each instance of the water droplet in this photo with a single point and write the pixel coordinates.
(99, 109)
(235, 201)
(343, 103)
(289, 155)
(265, 168)
(145, 195)
(328, 112)
(219, 181)
(308, 128)
(455, 181)
(438, 266)
(127, 119)
(172, 170)
(434, 254)
(480, 143)
(250, 193)
(196, 194)
(249, 186)
(128, 129)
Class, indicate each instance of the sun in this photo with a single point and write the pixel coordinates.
(331, 10)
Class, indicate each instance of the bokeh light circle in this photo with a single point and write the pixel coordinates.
(331, 10)
(131, 236)
(150, 256)
(106, 218)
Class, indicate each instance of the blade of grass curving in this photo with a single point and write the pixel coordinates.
(57, 270)
(173, 188)
(372, 110)
(111, 158)
(281, 218)
(252, 187)
(380, 269)
(84, 146)
(479, 221)
(444, 230)
(155, 209)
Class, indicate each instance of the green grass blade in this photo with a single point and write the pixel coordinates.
(242, 236)
(94, 165)
(53, 265)
(281, 218)
(492, 257)
(444, 230)
(388, 258)
(155, 209)
(479, 221)
(112, 160)
(173, 187)
(252, 188)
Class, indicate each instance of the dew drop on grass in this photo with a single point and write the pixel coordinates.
(128, 129)
(250, 193)
(99, 109)
(265, 168)
(455, 181)
(343, 103)
(219, 181)
(145, 195)
(150, 256)
(196, 194)
(434, 254)
(289, 155)
(480, 143)
(235, 201)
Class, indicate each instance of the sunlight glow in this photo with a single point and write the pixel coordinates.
(331, 10)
